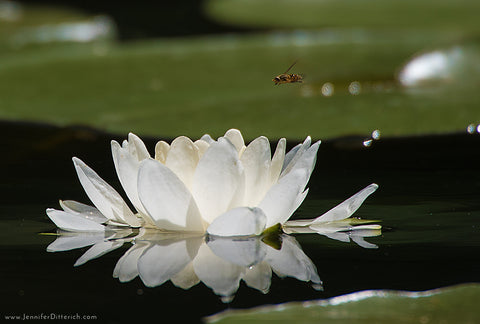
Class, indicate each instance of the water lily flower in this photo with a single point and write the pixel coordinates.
(222, 187)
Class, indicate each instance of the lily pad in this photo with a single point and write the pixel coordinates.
(448, 305)
(409, 14)
(209, 84)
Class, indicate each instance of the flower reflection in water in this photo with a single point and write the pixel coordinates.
(220, 263)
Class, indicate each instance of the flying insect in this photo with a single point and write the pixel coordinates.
(288, 78)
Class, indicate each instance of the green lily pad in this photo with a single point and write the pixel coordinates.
(448, 305)
(203, 85)
(405, 14)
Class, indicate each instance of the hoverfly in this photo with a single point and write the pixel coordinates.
(288, 78)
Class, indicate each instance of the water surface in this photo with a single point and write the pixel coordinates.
(428, 203)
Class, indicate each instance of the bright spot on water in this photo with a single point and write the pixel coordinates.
(306, 91)
(10, 11)
(433, 66)
(368, 142)
(354, 88)
(471, 128)
(328, 89)
(376, 134)
(478, 128)
(101, 27)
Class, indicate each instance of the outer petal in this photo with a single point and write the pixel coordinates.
(167, 199)
(182, 159)
(126, 165)
(73, 222)
(282, 199)
(218, 179)
(241, 221)
(348, 207)
(89, 212)
(256, 162)
(103, 196)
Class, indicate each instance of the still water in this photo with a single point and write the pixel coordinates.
(427, 202)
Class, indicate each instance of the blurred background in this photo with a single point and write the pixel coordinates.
(401, 67)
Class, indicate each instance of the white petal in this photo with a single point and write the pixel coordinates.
(167, 199)
(161, 262)
(294, 154)
(161, 151)
(89, 212)
(137, 147)
(75, 241)
(299, 200)
(243, 252)
(97, 251)
(290, 155)
(306, 160)
(202, 147)
(241, 221)
(235, 136)
(127, 166)
(220, 275)
(338, 236)
(126, 268)
(348, 207)
(256, 162)
(207, 138)
(361, 242)
(73, 222)
(289, 228)
(218, 178)
(103, 196)
(182, 159)
(186, 278)
(277, 161)
(259, 277)
(291, 261)
(281, 200)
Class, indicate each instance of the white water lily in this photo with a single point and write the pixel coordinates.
(220, 187)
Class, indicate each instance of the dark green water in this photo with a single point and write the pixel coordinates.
(428, 203)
